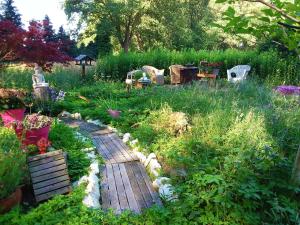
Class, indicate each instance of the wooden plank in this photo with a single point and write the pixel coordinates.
(112, 151)
(48, 195)
(104, 189)
(103, 148)
(99, 149)
(51, 181)
(47, 165)
(135, 187)
(46, 160)
(115, 141)
(120, 188)
(52, 187)
(143, 187)
(49, 170)
(128, 189)
(49, 176)
(43, 156)
(112, 189)
(101, 132)
(154, 194)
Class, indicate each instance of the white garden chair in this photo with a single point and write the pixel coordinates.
(238, 73)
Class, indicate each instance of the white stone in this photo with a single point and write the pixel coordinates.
(91, 202)
(167, 192)
(160, 181)
(126, 137)
(91, 155)
(141, 156)
(134, 142)
(65, 114)
(83, 179)
(76, 116)
(154, 167)
(94, 167)
(151, 156)
(96, 122)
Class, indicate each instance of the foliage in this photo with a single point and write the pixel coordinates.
(277, 19)
(265, 65)
(37, 50)
(238, 154)
(78, 163)
(142, 25)
(9, 12)
(11, 38)
(12, 162)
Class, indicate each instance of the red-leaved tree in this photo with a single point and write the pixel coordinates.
(11, 41)
(29, 46)
(37, 50)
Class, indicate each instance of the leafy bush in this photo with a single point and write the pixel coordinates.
(12, 162)
(265, 65)
(63, 137)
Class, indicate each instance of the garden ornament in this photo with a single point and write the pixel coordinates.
(38, 78)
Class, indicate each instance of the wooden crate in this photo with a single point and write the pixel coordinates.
(49, 175)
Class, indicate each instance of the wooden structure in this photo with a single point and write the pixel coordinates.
(183, 74)
(209, 70)
(125, 184)
(49, 175)
(83, 60)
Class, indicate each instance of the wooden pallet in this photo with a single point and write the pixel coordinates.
(126, 186)
(113, 150)
(49, 175)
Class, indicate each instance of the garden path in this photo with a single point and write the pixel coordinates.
(125, 184)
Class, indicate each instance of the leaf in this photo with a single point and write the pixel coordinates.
(221, 1)
(230, 12)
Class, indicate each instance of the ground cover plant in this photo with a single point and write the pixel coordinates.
(238, 154)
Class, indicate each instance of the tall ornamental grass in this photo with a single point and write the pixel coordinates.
(268, 66)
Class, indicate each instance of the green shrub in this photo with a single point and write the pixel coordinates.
(12, 162)
(265, 65)
(63, 137)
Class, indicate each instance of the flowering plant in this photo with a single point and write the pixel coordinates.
(56, 96)
(36, 121)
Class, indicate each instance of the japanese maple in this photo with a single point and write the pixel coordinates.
(37, 50)
(11, 41)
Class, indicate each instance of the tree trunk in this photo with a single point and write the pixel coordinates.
(296, 168)
(125, 46)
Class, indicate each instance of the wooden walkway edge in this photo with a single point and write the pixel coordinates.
(125, 185)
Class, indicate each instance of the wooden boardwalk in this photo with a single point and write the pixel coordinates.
(125, 184)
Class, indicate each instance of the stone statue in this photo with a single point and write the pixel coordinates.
(38, 78)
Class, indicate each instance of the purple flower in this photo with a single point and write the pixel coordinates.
(288, 90)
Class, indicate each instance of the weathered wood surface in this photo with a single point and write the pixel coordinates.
(113, 150)
(126, 187)
(49, 175)
(125, 184)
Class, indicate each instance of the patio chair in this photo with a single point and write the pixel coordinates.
(156, 75)
(238, 73)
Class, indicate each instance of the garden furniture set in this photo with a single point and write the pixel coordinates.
(181, 74)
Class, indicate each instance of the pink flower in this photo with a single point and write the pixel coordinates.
(114, 113)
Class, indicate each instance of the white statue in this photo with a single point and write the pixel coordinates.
(38, 78)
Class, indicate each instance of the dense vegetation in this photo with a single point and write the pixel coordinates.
(268, 66)
(238, 154)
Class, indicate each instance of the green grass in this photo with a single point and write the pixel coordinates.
(238, 154)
